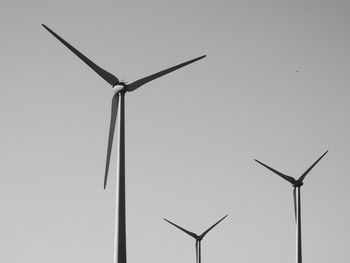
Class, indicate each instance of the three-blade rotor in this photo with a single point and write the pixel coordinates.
(195, 236)
(113, 81)
(110, 78)
(293, 181)
(289, 178)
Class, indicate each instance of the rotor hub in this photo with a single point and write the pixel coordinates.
(120, 87)
(298, 183)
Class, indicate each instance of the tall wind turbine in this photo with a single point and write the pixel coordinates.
(196, 237)
(120, 88)
(297, 203)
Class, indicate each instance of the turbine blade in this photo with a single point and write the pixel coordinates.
(197, 258)
(295, 204)
(301, 178)
(210, 228)
(138, 83)
(184, 230)
(286, 177)
(110, 78)
(114, 112)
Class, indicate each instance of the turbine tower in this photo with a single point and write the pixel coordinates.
(297, 201)
(120, 89)
(196, 237)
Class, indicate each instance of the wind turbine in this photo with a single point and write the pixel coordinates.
(196, 237)
(297, 203)
(120, 88)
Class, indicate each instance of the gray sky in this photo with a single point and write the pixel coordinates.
(191, 136)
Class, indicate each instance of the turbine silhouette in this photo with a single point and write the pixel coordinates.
(296, 198)
(118, 101)
(196, 237)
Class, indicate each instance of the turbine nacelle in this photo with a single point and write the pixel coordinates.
(121, 87)
(297, 183)
(199, 238)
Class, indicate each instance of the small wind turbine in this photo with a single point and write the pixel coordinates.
(297, 203)
(196, 237)
(120, 88)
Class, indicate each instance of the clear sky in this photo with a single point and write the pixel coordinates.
(275, 86)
